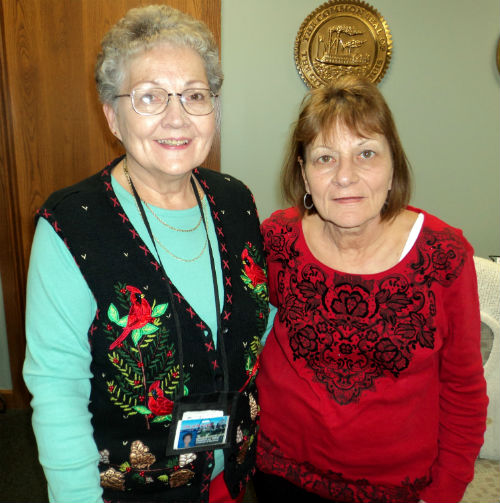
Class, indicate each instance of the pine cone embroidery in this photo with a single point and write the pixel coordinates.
(186, 459)
(104, 457)
(140, 457)
(113, 479)
(239, 435)
(181, 477)
(240, 458)
(254, 408)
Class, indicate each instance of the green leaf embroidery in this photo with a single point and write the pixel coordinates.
(124, 466)
(136, 336)
(147, 339)
(113, 314)
(249, 362)
(141, 409)
(149, 329)
(261, 289)
(138, 478)
(126, 371)
(163, 478)
(255, 345)
(122, 322)
(126, 403)
(172, 462)
(162, 419)
(246, 279)
(159, 310)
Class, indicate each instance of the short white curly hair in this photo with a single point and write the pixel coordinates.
(142, 29)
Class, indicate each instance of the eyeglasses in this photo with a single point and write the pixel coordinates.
(155, 101)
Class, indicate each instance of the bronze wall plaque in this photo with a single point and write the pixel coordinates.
(341, 38)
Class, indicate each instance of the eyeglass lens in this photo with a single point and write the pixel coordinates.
(155, 101)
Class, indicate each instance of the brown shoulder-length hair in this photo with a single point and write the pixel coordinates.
(357, 104)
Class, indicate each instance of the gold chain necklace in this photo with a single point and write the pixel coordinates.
(125, 170)
(127, 176)
(180, 258)
(168, 225)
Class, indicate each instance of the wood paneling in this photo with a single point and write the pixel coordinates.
(11, 264)
(52, 130)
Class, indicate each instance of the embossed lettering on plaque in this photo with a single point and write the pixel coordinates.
(342, 38)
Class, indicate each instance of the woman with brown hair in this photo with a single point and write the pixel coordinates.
(371, 382)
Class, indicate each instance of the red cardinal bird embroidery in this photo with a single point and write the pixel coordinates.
(158, 403)
(139, 314)
(252, 271)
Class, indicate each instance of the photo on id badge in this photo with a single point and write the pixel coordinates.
(201, 429)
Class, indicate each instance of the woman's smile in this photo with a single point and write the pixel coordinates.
(174, 142)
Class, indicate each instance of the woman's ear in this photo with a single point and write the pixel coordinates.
(110, 115)
(303, 171)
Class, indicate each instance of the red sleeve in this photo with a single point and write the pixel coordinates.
(275, 248)
(463, 399)
(266, 230)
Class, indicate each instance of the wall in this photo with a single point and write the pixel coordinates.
(442, 86)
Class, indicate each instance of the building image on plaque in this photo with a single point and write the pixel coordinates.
(342, 38)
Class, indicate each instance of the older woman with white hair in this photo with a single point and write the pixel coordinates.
(147, 292)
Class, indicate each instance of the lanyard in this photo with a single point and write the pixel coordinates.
(220, 338)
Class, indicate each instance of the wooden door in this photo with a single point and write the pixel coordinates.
(52, 129)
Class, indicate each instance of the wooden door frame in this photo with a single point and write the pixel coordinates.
(12, 267)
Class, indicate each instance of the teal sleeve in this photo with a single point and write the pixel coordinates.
(59, 311)
(270, 322)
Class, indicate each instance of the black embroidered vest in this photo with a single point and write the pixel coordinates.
(135, 358)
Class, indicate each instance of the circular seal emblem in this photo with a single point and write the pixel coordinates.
(346, 37)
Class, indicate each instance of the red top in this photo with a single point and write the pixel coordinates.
(371, 386)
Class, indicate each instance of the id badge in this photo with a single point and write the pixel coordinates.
(201, 422)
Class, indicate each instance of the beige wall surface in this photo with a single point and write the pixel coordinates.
(442, 86)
